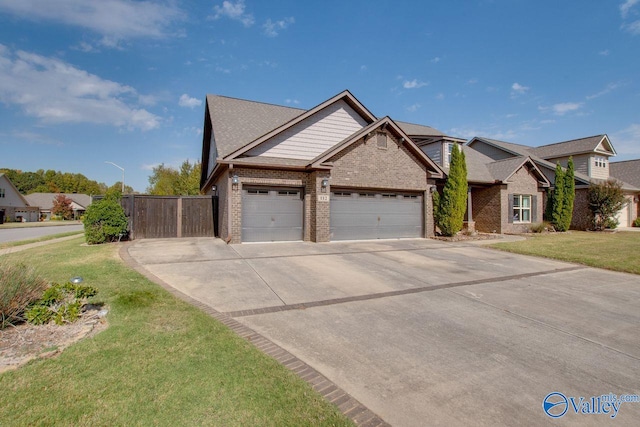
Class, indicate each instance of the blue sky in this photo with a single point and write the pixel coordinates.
(88, 81)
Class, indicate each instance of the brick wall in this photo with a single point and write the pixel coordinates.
(487, 208)
(581, 219)
(522, 182)
(223, 185)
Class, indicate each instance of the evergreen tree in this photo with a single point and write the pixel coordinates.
(452, 204)
(569, 194)
(558, 198)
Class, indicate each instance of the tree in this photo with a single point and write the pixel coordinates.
(451, 206)
(167, 181)
(558, 198)
(62, 206)
(569, 194)
(605, 200)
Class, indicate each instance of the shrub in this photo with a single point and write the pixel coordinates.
(452, 205)
(105, 220)
(541, 227)
(20, 286)
(605, 200)
(61, 303)
(636, 222)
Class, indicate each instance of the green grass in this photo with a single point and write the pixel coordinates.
(39, 239)
(614, 251)
(160, 362)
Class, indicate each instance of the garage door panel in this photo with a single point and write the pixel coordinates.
(375, 216)
(270, 215)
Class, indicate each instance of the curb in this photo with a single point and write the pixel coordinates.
(347, 404)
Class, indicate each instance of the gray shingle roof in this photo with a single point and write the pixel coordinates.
(413, 129)
(270, 161)
(237, 122)
(45, 200)
(568, 148)
(627, 171)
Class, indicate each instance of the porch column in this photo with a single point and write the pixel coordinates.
(469, 205)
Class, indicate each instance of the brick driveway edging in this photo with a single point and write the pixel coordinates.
(347, 404)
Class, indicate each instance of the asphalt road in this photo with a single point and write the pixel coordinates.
(17, 234)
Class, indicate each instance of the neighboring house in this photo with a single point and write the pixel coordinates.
(505, 195)
(79, 203)
(13, 206)
(333, 172)
(628, 171)
(591, 159)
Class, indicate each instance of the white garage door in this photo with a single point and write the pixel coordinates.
(372, 215)
(623, 215)
(271, 214)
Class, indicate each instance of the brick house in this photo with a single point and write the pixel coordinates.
(334, 172)
(591, 160)
(505, 195)
(628, 171)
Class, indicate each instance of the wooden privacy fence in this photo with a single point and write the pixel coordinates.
(170, 216)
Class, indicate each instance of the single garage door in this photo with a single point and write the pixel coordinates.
(623, 214)
(271, 214)
(372, 215)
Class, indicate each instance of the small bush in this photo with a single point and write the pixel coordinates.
(20, 286)
(105, 220)
(636, 222)
(611, 223)
(541, 227)
(61, 303)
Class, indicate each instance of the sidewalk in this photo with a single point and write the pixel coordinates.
(36, 244)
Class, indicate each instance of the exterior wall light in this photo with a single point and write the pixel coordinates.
(235, 180)
(325, 183)
(432, 189)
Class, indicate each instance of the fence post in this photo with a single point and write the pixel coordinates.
(179, 213)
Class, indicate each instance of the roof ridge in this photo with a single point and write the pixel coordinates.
(570, 140)
(255, 102)
(623, 161)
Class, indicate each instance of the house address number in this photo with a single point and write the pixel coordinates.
(323, 197)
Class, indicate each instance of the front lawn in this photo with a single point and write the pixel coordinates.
(160, 362)
(618, 251)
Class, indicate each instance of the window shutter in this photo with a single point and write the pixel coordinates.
(510, 211)
(534, 208)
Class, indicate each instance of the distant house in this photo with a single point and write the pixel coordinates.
(13, 206)
(628, 171)
(591, 159)
(44, 201)
(506, 195)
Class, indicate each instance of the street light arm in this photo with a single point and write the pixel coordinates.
(122, 169)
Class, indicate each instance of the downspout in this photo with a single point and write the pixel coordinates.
(229, 204)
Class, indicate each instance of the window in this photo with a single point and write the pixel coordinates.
(254, 191)
(288, 193)
(342, 194)
(1, 193)
(381, 140)
(521, 208)
(600, 162)
(449, 151)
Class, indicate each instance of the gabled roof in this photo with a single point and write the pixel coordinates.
(26, 203)
(343, 96)
(413, 129)
(519, 151)
(593, 144)
(503, 170)
(237, 122)
(389, 125)
(627, 171)
(45, 200)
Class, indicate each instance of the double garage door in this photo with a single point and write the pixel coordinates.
(277, 214)
(371, 215)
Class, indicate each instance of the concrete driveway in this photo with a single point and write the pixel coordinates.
(429, 333)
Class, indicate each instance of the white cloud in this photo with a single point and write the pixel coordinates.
(189, 102)
(472, 81)
(440, 96)
(565, 107)
(113, 19)
(626, 140)
(604, 52)
(292, 101)
(363, 68)
(517, 89)
(609, 88)
(633, 28)
(272, 29)
(468, 133)
(414, 84)
(413, 108)
(626, 7)
(149, 166)
(223, 70)
(36, 138)
(235, 11)
(435, 60)
(57, 92)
